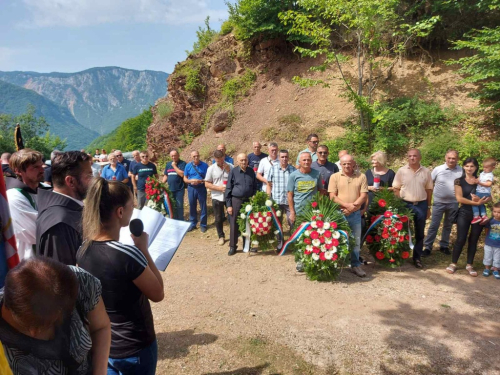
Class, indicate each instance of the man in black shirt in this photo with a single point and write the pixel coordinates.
(254, 160)
(58, 229)
(324, 167)
(241, 185)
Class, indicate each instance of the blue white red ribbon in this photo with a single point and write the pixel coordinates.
(168, 204)
(379, 218)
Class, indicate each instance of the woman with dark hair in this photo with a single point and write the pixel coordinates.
(53, 320)
(465, 189)
(128, 276)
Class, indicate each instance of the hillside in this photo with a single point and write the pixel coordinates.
(98, 98)
(14, 100)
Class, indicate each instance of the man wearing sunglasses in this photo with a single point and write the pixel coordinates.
(141, 172)
(324, 167)
(312, 146)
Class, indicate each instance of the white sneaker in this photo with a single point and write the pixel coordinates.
(221, 241)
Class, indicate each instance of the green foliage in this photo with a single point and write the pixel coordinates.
(204, 36)
(356, 141)
(474, 144)
(193, 81)
(259, 18)
(35, 132)
(436, 143)
(130, 135)
(187, 138)
(164, 109)
(226, 27)
(484, 66)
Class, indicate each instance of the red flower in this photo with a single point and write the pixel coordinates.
(385, 235)
(404, 219)
(269, 214)
(314, 204)
(316, 250)
(260, 225)
(377, 238)
(314, 235)
(401, 238)
(407, 237)
(333, 225)
(399, 225)
(335, 242)
(320, 224)
(321, 215)
(381, 203)
(391, 260)
(373, 219)
(307, 241)
(387, 222)
(314, 217)
(391, 251)
(329, 246)
(158, 198)
(322, 256)
(369, 239)
(387, 213)
(405, 255)
(379, 255)
(322, 239)
(147, 196)
(327, 234)
(309, 228)
(393, 242)
(335, 257)
(307, 252)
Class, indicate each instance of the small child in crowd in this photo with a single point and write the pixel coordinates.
(484, 190)
(492, 244)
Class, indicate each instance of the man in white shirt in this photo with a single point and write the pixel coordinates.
(216, 180)
(22, 191)
(266, 164)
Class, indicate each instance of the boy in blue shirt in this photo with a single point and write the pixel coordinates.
(492, 244)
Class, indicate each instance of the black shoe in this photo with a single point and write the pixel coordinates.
(253, 250)
(426, 253)
(445, 250)
(232, 251)
(418, 264)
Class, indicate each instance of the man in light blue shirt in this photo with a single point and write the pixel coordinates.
(312, 146)
(444, 202)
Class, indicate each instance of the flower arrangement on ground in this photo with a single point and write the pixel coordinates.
(323, 239)
(260, 222)
(159, 197)
(389, 234)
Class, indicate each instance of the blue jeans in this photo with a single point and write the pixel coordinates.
(438, 210)
(480, 210)
(143, 363)
(354, 221)
(179, 201)
(419, 217)
(195, 195)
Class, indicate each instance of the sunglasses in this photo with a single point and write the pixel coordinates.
(323, 152)
(144, 156)
(119, 156)
(315, 142)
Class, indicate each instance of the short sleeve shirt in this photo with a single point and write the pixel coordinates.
(348, 188)
(119, 174)
(493, 237)
(254, 160)
(196, 172)
(314, 156)
(444, 178)
(326, 171)
(264, 167)
(117, 265)
(413, 185)
(143, 171)
(484, 177)
(218, 176)
(279, 179)
(303, 186)
(175, 182)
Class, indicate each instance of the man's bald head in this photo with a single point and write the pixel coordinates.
(342, 153)
(5, 158)
(346, 157)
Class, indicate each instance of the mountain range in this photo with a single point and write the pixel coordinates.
(81, 106)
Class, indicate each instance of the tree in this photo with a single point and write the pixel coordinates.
(204, 36)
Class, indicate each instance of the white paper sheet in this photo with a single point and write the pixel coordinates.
(152, 221)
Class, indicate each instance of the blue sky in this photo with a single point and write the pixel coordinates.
(74, 35)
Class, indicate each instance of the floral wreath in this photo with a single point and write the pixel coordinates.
(159, 196)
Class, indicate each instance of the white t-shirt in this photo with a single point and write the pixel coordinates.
(483, 177)
(217, 176)
(24, 220)
(264, 167)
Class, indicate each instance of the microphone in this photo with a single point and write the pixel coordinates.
(136, 227)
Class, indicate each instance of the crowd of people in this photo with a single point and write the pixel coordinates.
(79, 287)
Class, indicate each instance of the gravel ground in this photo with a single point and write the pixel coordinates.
(254, 314)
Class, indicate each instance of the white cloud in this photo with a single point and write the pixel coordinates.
(75, 13)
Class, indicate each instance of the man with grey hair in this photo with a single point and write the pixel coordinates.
(266, 164)
(7, 172)
(254, 160)
(349, 189)
(444, 202)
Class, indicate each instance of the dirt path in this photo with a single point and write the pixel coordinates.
(254, 314)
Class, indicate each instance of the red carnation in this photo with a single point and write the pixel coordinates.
(333, 225)
(147, 179)
(322, 256)
(405, 255)
(393, 242)
(381, 203)
(314, 204)
(260, 225)
(391, 251)
(385, 235)
(314, 235)
(269, 213)
(387, 222)
(314, 217)
(327, 234)
(329, 246)
(147, 196)
(401, 238)
(377, 238)
(158, 198)
(335, 242)
(369, 239)
(373, 219)
(380, 255)
(388, 214)
(399, 225)
(321, 215)
(404, 219)
(335, 257)
(391, 260)
(385, 230)
(407, 237)
(320, 224)
(309, 228)
(307, 241)
(306, 252)
(316, 250)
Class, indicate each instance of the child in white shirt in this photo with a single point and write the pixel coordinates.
(483, 189)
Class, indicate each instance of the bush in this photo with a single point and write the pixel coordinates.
(193, 81)
(238, 86)
(164, 109)
(204, 36)
(226, 27)
(436, 144)
(356, 141)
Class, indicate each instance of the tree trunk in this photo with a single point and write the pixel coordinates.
(360, 83)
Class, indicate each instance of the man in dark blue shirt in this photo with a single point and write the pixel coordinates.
(254, 160)
(141, 172)
(324, 167)
(174, 176)
(126, 164)
(241, 186)
(194, 177)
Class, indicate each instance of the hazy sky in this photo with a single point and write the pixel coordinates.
(74, 35)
